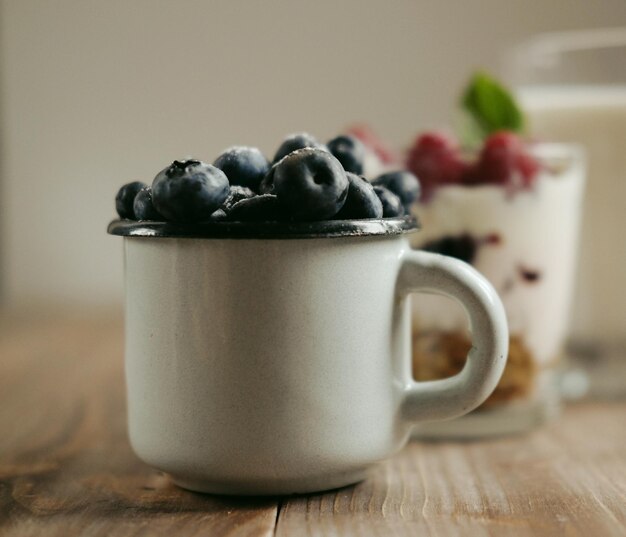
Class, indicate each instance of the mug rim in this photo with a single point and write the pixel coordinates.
(265, 230)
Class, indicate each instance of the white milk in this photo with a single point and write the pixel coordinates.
(594, 117)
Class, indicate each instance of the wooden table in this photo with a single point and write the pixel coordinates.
(66, 467)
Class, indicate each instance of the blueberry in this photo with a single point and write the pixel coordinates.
(218, 216)
(310, 184)
(463, 247)
(392, 205)
(362, 201)
(189, 191)
(143, 206)
(125, 198)
(264, 208)
(294, 142)
(245, 166)
(403, 184)
(237, 193)
(350, 151)
(267, 184)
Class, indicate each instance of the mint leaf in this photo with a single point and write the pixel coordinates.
(490, 106)
(470, 134)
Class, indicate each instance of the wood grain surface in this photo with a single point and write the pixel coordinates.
(66, 467)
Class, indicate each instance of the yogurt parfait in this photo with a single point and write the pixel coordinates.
(510, 208)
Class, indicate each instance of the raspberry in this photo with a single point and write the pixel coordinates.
(504, 161)
(374, 143)
(436, 160)
(528, 167)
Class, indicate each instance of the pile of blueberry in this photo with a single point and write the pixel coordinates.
(306, 181)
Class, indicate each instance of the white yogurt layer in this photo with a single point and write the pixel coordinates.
(538, 231)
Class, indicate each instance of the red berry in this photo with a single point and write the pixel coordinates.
(436, 160)
(505, 161)
(498, 159)
(528, 167)
(472, 175)
(374, 143)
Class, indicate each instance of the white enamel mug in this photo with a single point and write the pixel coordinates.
(275, 358)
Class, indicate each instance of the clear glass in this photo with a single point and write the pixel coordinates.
(525, 243)
(572, 86)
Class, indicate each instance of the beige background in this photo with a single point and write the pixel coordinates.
(94, 94)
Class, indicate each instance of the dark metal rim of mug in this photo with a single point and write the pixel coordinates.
(265, 230)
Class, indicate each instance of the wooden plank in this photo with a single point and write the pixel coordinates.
(568, 479)
(66, 467)
(65, 463)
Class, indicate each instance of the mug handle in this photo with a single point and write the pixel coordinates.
(452, 397)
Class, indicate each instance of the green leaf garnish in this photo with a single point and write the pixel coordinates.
(490, 107)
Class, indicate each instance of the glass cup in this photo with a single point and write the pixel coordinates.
(525, 244)
(572, 86)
